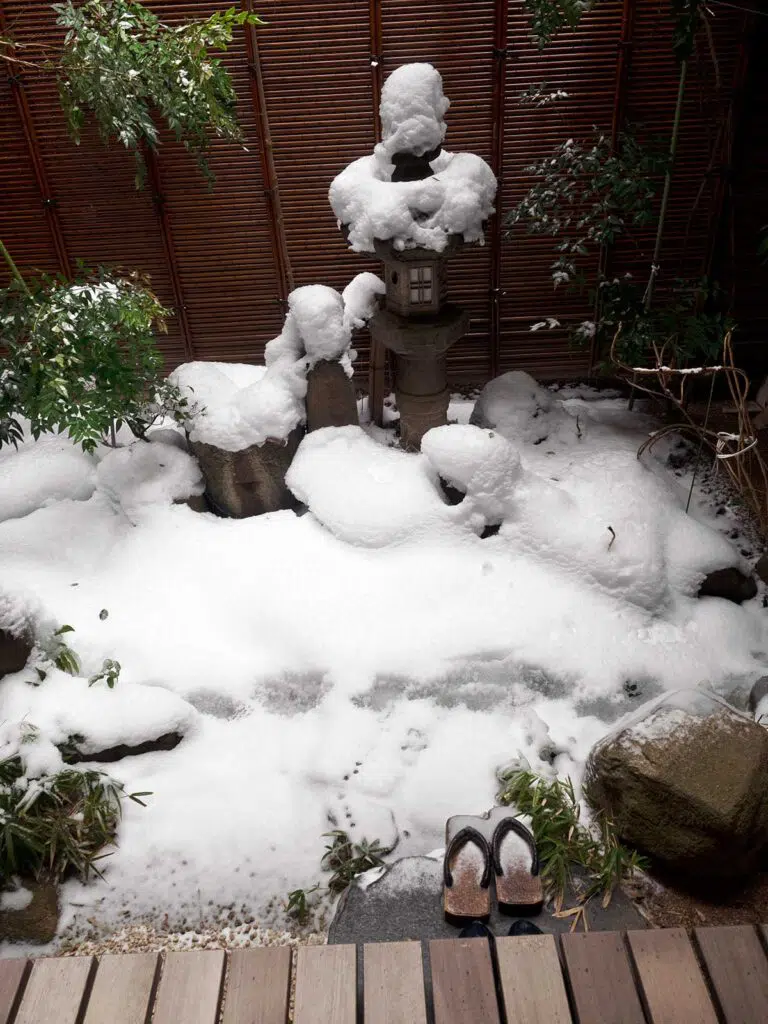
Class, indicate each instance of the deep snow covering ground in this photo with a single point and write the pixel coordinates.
(371, 663)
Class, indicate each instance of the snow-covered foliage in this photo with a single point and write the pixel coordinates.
(586, 194)
(456, 199)
(82, 357)
(236, 408)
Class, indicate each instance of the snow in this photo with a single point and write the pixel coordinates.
(361, 299)
(15, 899)
(326, 670)
(148, 474)
(412, 110)
(45, 471)
(234, 407)
(455, 200)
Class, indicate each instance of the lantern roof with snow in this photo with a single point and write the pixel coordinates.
(409, 191)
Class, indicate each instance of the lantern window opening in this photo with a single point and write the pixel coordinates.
(421, 285)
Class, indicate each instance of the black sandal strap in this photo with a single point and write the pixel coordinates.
(505, 826)
(464, 836)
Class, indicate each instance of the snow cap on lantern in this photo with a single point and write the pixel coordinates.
(409, 191)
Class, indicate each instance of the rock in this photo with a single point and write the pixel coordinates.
(761, 568)
(686, 785)
(758, 692)
(14, 652)
(248, 482)
(730, 584)
(164, 435)
(197, 502)
(38, 921)
(167, 741)
(330, 398)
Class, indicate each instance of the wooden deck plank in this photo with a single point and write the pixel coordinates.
(532, 980)
(55, 990)
(738, 968)
(674, 987)
(122, 989)
(190, 988)
(601, 981)
(462, 982)
(258, 986)
(326, 985)
(11, 977)
(394, 983)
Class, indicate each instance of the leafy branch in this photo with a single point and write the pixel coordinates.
(122, 66)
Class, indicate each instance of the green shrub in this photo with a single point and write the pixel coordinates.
(563, 841)
(57, 825)
(82, 357)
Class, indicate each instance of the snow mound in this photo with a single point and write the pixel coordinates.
(455, 200)
(364, 493)
(41, 472)
(481, 463)
(149, 474)
(522, 410)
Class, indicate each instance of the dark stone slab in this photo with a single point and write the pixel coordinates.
(167, 741)
(406, 903)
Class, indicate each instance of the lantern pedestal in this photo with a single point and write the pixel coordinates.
(420, 347)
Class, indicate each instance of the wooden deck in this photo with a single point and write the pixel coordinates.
(660, 977)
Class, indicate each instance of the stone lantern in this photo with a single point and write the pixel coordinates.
(413, 205)
(418, 326)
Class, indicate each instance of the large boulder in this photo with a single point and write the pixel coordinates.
(251, 481)
(685, 780)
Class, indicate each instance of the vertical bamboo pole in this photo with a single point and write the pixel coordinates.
(377, 366)
(47, 196)
(500, 40)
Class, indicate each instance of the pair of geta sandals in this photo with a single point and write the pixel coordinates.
(475, 857)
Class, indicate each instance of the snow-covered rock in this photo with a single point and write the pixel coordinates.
(522, 410)
(363, 492)
(234, 407)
